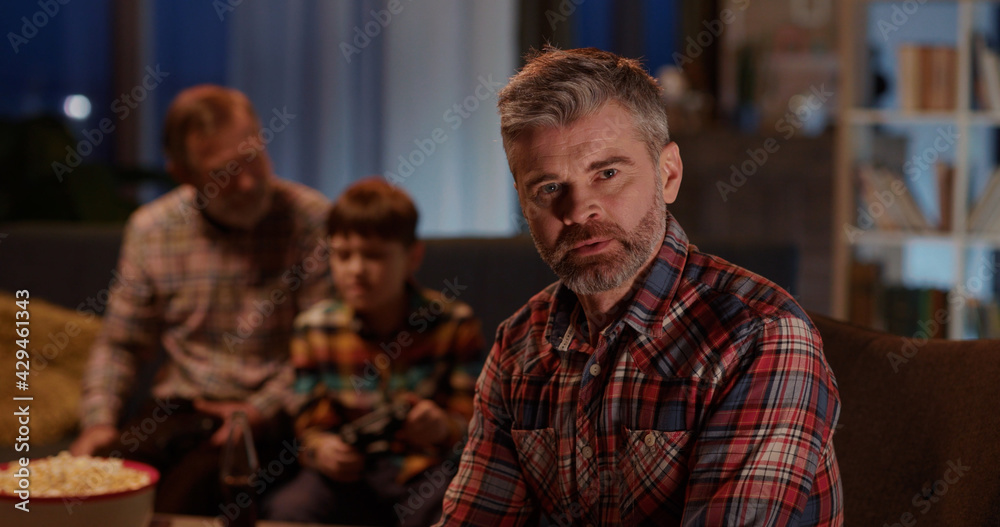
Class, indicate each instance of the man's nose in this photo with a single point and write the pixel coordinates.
(579, 205)
(245, 181)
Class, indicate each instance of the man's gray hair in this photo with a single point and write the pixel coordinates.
(558, 87)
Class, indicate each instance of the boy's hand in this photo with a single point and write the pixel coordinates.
(427, 425)
(338, 460)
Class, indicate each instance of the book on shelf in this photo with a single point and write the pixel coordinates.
(983, 318)
(907, 86)
(911, 312)
(945, 191)
(916, 312)
(987, 74)
(985, 214)
(863, 308)
(885, 201)
(927, 78)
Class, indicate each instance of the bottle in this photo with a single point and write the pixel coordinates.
(239, 464)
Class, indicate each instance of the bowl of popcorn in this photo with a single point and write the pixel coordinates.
(71, 491)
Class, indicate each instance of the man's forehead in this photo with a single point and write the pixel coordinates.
(574, 149)
(202, 142)
(605, 132)
(608, 122)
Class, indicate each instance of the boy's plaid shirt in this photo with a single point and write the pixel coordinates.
(342, 371)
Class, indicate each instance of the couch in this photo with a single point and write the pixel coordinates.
(919, 436)
(73, 265)
(917, 443)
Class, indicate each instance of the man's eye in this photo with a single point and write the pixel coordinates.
(609, 173)
(549, 188)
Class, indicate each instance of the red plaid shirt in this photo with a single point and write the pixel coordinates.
(707, 402)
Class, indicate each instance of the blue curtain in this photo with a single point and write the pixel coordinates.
(637, 28)
(398, 88)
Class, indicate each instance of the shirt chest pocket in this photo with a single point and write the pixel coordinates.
(538, 454)
(653, 468)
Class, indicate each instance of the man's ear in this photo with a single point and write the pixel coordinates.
(671, 171)
(414, 257)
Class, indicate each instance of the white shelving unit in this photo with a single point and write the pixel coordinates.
(860, 118)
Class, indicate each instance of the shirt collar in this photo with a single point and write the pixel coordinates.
(647, 308)
(278, 210)
(415, 298)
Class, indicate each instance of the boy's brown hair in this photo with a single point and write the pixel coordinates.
(372, 207)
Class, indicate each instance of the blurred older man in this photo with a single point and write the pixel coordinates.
(214, 274)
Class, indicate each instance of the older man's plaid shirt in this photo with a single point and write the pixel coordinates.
(220, 302)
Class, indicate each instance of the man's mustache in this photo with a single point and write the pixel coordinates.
(578, 233)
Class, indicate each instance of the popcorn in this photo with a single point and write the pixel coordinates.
(76, 476)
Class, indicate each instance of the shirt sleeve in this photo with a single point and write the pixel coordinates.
(130, 327)
(314, 248)
(306, 379)
(278, 392)
(489, 488)
(311, 424)
(765, 454)
(273, 396)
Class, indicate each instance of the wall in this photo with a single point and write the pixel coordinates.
(785, 199)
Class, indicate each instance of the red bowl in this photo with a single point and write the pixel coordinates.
(126, 508)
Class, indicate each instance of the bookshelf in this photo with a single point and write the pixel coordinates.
(916, 184)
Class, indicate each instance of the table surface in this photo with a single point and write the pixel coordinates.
(176, 520)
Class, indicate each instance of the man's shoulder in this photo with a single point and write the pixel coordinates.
(175, 209)
(723, 317)
(529, 320)
(301, 199)
(540, 302)
(729, 288)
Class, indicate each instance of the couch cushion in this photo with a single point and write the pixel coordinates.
(65, 263)
(919, 433)
(59, 341)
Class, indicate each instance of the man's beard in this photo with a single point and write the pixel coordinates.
(244, 212)
(592, 274)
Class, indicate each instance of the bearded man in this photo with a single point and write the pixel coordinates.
(653, 384)
(214, 273)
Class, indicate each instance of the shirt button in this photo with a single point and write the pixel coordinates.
(595, 370)
(587, 452)
(650, 439)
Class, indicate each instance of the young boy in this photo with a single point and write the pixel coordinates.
(385, 375)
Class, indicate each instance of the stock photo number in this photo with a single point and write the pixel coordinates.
(22, 367)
